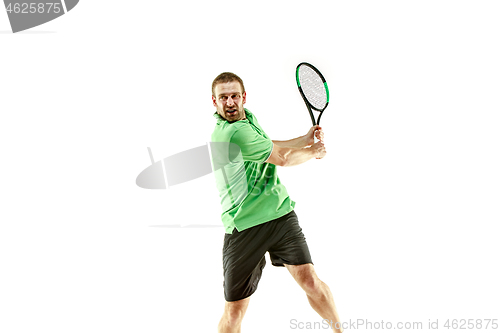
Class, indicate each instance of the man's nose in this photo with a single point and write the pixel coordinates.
(229, 101)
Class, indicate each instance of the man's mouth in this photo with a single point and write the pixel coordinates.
(231, 112)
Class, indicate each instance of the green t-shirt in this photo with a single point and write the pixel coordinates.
(250, 190)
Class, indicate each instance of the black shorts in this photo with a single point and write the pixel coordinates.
(243, 253)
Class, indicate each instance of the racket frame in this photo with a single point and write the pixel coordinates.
(309, 105)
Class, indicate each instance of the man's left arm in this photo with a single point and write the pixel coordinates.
(302, 141)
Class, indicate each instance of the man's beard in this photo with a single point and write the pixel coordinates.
(236, 115)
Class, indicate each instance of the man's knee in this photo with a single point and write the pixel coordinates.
(312, 285)
(307, 279)
(234, 311)
(233, 316)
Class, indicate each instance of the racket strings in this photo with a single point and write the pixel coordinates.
(313, 87)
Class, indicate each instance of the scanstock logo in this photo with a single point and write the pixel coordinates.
(26, 14)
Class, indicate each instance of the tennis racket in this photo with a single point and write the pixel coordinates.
(313, 89)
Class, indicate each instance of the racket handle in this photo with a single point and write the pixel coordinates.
(314, 136)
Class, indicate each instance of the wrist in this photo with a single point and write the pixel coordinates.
(313, 152)
(305, 142)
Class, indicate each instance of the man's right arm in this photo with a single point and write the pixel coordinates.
(283, 156)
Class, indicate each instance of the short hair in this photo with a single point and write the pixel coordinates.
(225, 78)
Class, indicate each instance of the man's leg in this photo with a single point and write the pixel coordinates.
(233, 315)
(318, 293)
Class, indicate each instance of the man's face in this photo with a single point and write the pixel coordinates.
(229, 100)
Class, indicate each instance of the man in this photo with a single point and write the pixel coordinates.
(258, 214)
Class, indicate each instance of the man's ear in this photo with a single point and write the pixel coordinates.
(244, 97)
(214, 101)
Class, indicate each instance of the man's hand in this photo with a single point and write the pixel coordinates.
(315, 131)
(319, 149)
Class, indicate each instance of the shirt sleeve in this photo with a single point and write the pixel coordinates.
(254, 146)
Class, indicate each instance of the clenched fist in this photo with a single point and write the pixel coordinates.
(319, 149)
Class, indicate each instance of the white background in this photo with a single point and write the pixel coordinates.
(401, 217)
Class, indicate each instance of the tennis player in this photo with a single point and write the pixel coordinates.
(258, 215)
